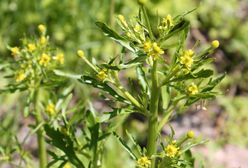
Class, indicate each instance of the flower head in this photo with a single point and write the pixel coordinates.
(168, 21)
(42, 28)
(147, 46)
(67, 165)
(50, 109)
(44, 59)
(171, 150)
(15, 51)
(193, 89)
(152, 49)
(20, 76)
(215, 44)
(60, 58)
(31, 47)
(102, 75)
(144, 162)
(43, 40)
(156, 50)
(186, 59)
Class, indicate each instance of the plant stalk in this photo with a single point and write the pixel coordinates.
(153, 116)
(147, 22)
(40, 137)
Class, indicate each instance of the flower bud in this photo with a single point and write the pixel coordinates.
(141, 2)
(42, 28)
(190, 134)
(215, 44)
(80, 53)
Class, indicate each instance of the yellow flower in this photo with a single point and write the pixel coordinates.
(186, 59)
(122, 20)
(60, 58)
(171, 150)
(193, 89)
(147, 46)
(50, 109)
(156, 49)
(215, 44)
(80, 53)
(31, 47)
(168, 21)
(142, 2)
(67, 165)
(102, 75)
(20, 76)
(42, 28)
(189, 52)
(44, 59)
(43, 40)
(152, 49)
(144, 162)
(15, 51)
(190, 134)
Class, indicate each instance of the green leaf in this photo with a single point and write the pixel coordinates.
(103, 86)
(213, 83)
(199, 96)
(165, 96)
(27, 104)
(204, 73)
(94, 132)
(135, 143)
(142, 79)
(64, 143)
(126, 147)
(115, 36)
(66, 74)
(183, 24)
(106, 116)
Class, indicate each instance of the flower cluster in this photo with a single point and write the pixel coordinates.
(192, 89)
(171, 150)
(35, 57)
(50, 109)
(166, 23)
(144, 162)
(102, 75)
(186, 59)
(152, 49)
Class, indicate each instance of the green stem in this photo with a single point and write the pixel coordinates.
(134, 101)
(168, 78)
(40, 137)
(153, 116)
(95, 145)
(147, 22)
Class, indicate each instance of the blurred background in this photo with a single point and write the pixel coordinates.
(71, 26)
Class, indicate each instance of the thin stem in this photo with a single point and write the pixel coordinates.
(147, 22)
(40, 137)
(117, 83)
(111, 21)
(134, 101)
(90, 64)
(153, 117)
(165, 119)
(168, 78)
